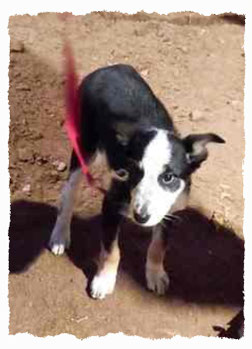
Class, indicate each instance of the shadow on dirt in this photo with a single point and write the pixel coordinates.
(205, 264)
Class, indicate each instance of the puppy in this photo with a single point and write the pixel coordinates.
(122, 119)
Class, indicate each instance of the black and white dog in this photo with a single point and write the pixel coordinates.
(123, 119)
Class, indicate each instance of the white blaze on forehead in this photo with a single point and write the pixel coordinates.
(157, 153)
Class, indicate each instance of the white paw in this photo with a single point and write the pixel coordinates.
(59, 242)
(157, 281)
(103, 284)
(57, 249)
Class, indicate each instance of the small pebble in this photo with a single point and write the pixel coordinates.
(60, 165)
(144, 73)
(196, 115)
(27, 189)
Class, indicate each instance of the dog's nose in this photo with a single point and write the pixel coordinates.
(141, 218)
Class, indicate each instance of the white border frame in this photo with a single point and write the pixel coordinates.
(32, 7)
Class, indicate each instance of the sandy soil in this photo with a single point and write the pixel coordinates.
(195, 65)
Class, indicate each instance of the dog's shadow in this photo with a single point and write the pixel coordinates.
(205, 262)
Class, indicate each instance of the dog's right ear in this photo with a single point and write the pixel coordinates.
(196, 150)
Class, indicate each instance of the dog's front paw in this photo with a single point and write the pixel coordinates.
(157, 280)
(57, 248)
(102, 284)
(59, 241)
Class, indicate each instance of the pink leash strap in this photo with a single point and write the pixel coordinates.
(72, 122)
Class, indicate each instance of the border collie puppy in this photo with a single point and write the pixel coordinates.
(123, 119)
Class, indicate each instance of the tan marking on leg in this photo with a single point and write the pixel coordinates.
(108, 261)
(156, 253)
(156, 277)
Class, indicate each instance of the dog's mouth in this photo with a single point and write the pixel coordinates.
(146, 220)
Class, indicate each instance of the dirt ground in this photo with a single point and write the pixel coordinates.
(195, 65)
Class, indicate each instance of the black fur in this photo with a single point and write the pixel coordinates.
(117, 109)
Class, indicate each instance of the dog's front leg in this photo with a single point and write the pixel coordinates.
(115, 206)
(156, 277)
(60, 237)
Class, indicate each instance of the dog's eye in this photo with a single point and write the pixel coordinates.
(167, 177)
(122, 174)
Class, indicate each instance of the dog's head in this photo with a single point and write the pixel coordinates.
(163, 165)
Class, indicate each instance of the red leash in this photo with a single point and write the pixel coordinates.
(72, 122)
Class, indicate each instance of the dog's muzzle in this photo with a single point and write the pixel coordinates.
(141, 216)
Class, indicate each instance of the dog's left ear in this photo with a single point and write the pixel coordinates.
(196, 150)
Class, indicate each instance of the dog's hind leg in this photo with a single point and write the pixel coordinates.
(60, 237)
(115, 206)
(156, 277)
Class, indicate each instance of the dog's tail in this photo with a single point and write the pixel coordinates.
(72, 122)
